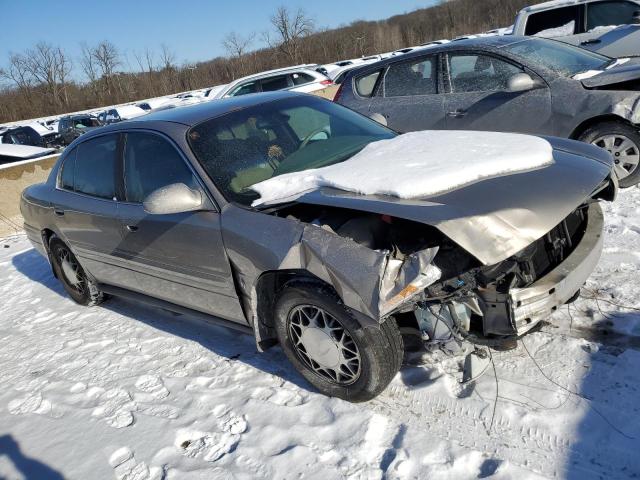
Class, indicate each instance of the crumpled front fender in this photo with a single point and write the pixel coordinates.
(368, 281)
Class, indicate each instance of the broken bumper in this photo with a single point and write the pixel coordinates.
(536, 302)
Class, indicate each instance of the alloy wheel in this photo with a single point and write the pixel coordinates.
(324, 345)
(625, 152)
(72, 272)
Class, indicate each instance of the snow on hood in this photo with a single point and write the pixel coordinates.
(416, 165)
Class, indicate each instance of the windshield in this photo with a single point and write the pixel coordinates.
(86, 122)
(247, 146)
(563, 59)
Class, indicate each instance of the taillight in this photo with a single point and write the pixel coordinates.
(326, 82)
(336, 97)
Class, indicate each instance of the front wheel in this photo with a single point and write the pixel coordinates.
(330, 348)
(623, 143)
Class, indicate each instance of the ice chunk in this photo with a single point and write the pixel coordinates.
(417, 165)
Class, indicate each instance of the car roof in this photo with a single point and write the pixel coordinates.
(193, 114)
(493, 42)
(553, 4)
(278, 71)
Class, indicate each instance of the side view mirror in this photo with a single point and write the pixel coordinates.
(520, 82)
(174, 198)
(377, 117)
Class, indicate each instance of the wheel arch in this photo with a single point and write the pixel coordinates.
(265, 293)
(587, 124)
(47, 234)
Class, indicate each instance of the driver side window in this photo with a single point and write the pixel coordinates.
(306, 122)
(480, 73)
(150, 163)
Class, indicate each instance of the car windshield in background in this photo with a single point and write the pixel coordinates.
(254, 144)
(86, 122)
(563, 59)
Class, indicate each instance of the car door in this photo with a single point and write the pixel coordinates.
(408, 96)
(85, 205)
(177, 257)
(478, 98)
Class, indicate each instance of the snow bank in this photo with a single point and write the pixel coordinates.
(416, 165)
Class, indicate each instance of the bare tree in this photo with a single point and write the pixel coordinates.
(237, 47)
(106, 58)
(44, 65)
(290, 28)
(18, 72)
(167, 58)
(88, 63)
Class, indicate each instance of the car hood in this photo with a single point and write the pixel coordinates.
(495, 218)
(627, 72)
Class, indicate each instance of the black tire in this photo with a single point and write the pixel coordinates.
(380, 346)
(599, 130)
(85, 291)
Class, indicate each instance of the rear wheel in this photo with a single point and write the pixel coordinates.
(623, 143)
(330, 348)
(73, 278)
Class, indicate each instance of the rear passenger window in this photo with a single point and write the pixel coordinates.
(417, 77)
(150, 163)
(300, 78)
(68, 170)
(602, 14)
(366, 84)
(554, 23)
(96, 167)
(275, 83)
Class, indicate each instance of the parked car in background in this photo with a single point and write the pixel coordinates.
(72, 126)
(508, 84)
(210, 93)
(610, 27)
(152, 104)
(338, 75)
(297, 79)
(23, 136)
(118, 114)
(14, 153)
(330, 275)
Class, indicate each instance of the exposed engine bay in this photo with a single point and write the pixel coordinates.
(469, 301)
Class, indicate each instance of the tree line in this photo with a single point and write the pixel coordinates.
(38, 81)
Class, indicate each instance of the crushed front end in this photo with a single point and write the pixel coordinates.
(497, 303)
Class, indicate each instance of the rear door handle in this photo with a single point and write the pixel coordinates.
(58, 212)
(132, 228)
(457, 113)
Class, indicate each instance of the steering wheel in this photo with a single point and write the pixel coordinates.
(308, 138)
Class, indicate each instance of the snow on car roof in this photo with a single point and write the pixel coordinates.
(417, 165)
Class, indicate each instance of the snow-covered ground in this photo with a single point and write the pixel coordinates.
(126, 391)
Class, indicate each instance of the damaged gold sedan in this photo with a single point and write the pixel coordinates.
(238, 209)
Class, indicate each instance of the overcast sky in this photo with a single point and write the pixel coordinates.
(192, 29)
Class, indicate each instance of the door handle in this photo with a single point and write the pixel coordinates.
(593, 41)
(457, 113)
(58, 212)
(132, 228)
